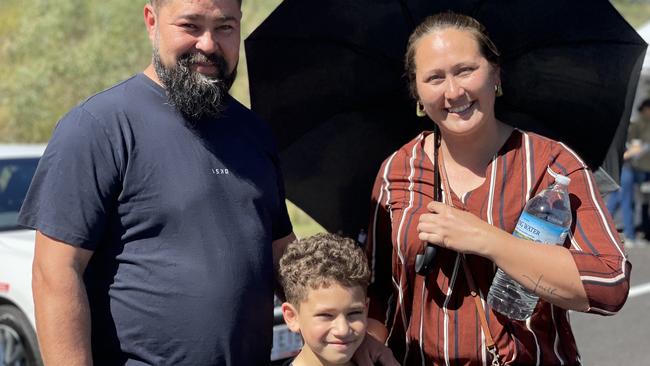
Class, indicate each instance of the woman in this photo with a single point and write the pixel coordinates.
(487, 171)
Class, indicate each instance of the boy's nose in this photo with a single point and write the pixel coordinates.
(341, 327)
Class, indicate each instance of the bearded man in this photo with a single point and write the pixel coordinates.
(159, 209)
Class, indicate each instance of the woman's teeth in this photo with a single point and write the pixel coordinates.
(461, 108)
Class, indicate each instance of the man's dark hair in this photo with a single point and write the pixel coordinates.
(157, 3)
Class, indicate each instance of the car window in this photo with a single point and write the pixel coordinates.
(15, 176)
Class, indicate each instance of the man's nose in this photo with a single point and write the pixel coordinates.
(207, 43)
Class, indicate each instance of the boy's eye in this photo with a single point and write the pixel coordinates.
(355, 313)
(324, 315)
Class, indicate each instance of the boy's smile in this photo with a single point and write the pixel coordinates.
(332, 322)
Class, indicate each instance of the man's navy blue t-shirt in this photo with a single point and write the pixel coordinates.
(180, 220)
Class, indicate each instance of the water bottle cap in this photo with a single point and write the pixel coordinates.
(563, 180)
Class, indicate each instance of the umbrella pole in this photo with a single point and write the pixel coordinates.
(424, 262)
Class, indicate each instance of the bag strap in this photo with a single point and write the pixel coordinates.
(489, 341)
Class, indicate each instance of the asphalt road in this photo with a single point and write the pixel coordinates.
(622, 339)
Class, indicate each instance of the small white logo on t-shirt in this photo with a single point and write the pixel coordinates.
(220, 171)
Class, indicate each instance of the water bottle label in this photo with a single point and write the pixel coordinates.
(533, 228)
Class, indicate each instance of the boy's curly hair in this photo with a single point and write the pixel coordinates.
(319, 261)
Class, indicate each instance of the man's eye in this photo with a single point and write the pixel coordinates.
(189, 26)
(225, 28)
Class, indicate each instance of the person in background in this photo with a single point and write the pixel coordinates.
(325, 278)
(487, 172)
(635, 171)
(160, 210)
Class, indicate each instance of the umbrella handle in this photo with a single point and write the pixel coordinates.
(424, 262)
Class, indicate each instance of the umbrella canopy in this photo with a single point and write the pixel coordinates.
(328, 76)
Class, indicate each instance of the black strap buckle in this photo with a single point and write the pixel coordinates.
(424, 262)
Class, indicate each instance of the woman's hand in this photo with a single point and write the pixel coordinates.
(371, 352)
(547, 270)
(458, 230)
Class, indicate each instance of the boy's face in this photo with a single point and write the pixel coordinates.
(332, 322)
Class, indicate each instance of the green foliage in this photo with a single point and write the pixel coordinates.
(55, 54)
(61, 52)
(254, 12)
(636, 12)
(303, 225)
(10, 10)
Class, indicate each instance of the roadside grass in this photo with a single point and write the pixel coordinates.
(636, 12)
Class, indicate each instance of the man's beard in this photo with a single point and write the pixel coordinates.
(193, 94)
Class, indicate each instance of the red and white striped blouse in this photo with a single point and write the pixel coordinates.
(434, 321)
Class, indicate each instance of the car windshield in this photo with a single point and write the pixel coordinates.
(15, 176)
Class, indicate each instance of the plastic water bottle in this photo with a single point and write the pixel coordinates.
(545, 219)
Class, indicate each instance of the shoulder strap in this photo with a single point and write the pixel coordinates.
(489, 341)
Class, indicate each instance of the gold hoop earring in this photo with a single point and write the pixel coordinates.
(498, 91)
(419, 109)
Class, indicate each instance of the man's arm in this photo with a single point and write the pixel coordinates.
(279, 246)
(61, 303)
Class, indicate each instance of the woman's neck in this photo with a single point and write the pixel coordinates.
(476, 151)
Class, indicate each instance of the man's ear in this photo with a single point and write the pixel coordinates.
(150, 19)
(290, 315)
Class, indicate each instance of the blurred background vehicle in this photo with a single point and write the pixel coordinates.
(18, 345)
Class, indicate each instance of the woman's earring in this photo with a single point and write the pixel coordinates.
(498, 91)
(419, 109)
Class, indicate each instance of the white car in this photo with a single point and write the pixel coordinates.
(18, 344)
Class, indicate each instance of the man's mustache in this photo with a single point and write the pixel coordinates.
(198, 57)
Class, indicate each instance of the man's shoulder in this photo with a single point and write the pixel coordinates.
(115, 98)
(252, 125)
(103, 113)
(236, 110)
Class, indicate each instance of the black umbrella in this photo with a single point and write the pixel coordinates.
(328, 76)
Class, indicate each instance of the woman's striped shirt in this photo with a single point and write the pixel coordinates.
(434, 321)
